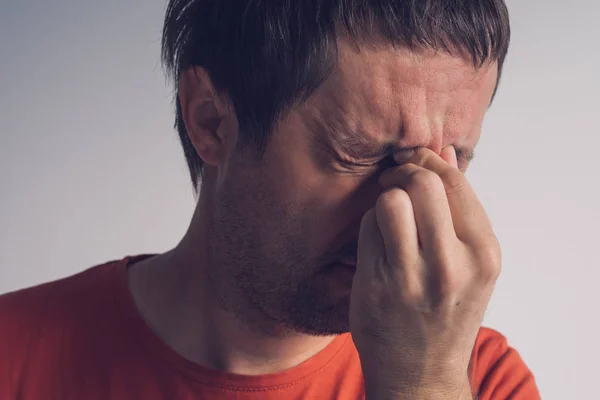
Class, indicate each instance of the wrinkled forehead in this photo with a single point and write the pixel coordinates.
(380, 92)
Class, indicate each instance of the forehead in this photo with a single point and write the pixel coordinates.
(407, 97)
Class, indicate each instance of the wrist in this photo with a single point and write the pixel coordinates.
(381, 391)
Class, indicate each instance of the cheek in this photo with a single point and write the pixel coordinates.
(329, 204)
(337, 207)
(318, 208)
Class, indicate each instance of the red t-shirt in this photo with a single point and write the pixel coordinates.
(82, 338)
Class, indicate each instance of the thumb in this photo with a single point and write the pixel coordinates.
(448, 154)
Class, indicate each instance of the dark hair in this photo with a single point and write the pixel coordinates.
(266, 55)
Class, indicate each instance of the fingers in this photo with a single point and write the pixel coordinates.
(370, 241)
(371, 250)
(425, 192)
(469, 220)
(396, 220)
(448, 154)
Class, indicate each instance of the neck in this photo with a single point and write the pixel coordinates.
(176, 300)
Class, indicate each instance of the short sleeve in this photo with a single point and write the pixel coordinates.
(498, 371)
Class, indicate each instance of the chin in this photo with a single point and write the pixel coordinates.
(322, 321)
(319, 307)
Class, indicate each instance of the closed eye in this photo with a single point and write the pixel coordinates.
(375, 164)
(364, 156)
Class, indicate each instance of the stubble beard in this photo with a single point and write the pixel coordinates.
(260, 270)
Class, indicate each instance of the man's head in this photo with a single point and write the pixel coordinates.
(289, 111)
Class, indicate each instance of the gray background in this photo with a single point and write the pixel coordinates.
(91, 170)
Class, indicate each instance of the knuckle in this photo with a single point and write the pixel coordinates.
(390, 200)
(413, 295)
(367, 219)
(489, 260)
(450, 284)
(425, 180)
(454, 181)
(413, 288)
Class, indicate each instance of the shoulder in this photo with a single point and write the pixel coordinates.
(39, 325)
(35, 321)
(35, 306)
(498, 371)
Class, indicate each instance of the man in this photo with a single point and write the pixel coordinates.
(337, 250)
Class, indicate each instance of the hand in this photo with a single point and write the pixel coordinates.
(428, 260)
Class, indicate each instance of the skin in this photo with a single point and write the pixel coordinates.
(249, 288)
(427, 256)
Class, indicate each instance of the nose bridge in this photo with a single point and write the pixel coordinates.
(418, 130)
(421, 129)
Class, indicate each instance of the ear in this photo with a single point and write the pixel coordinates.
(204, 114)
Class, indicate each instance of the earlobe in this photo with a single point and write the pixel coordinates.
(203, 114)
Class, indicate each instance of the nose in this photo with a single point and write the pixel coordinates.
(371, 189)
(421, 130)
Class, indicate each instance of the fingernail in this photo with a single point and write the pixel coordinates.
(448, 154)
(403, 156)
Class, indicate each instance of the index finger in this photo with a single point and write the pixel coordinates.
(469, 218)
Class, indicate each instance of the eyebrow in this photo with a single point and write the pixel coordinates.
(357, 147)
